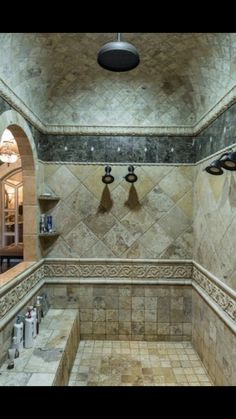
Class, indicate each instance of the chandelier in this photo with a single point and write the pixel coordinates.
(8, 148)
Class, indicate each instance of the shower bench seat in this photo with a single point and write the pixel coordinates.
(50, 361)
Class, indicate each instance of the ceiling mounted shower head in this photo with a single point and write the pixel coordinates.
(107, 178)
(118, 55)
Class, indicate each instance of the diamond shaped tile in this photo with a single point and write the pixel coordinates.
(118, 239)
(155, 240)
(99, 250)
(80, 239)
(137, 222)
(175, 185)
(157, 203)
(62, 182)
(63, 218)
(100, 222)
(175, 222)
(82, 202)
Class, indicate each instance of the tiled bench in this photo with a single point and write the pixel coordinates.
(50, 361)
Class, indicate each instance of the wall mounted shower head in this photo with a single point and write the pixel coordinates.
(226, 160)
(107, 178)
(131, 177)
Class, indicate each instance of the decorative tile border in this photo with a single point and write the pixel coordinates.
(117, 269)
(15, 293)
(223, 296)
(98, 271)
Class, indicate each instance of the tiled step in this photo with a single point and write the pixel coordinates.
(50, 361)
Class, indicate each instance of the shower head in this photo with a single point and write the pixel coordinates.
(226, 160)
(118, 56)
(131, 177)
(107, 178)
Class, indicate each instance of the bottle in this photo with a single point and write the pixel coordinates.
(19, 332)
(38, 308)
(45, 304)
(15, 346)
(49, 223)
(42, 225)
(33, 315)
(29, 330)
(11, 356)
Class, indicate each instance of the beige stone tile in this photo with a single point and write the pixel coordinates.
(80, 239)
(175, 184)
(118, 239)
(68, 182)
(156, 240)
(38, 379)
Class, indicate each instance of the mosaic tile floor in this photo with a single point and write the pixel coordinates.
(130, 363)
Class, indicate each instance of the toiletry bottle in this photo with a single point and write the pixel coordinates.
(49, 223)
(29, 330)
(11, 356)
(38, 308)
(43, 226)
(45, 304)
(15, 346)
(19, 331)
(33, 314)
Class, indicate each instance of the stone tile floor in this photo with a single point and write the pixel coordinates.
(137, 363)
(37, 366)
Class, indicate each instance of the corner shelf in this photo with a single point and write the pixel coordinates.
(48, 198)
(47, 202)
(55, 234)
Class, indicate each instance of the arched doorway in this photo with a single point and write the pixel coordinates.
(12, 121)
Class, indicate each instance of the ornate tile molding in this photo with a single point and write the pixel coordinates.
(216, 293)
(118, 269)
(17, 103)
(16, 292)
(223, 296)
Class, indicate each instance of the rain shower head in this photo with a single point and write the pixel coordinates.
(118, 56)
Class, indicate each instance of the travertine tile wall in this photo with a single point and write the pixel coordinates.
(149, 219)
(128, 312)
(214, 342)
(215, 223)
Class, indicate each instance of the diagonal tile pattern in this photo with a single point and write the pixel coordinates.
(149, 219)
(134, 363)
(214, 223)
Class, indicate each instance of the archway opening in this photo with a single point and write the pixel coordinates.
(18, 226)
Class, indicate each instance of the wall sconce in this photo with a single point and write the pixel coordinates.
(107, 178)
(8, 148)
(131, 177)
(226, 160)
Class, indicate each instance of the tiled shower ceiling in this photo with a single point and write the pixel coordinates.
(181, 77)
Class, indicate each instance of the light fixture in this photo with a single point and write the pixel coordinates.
(226, 160)
(107, 178)
(131, 177)
(118, 55)
(8, 148)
